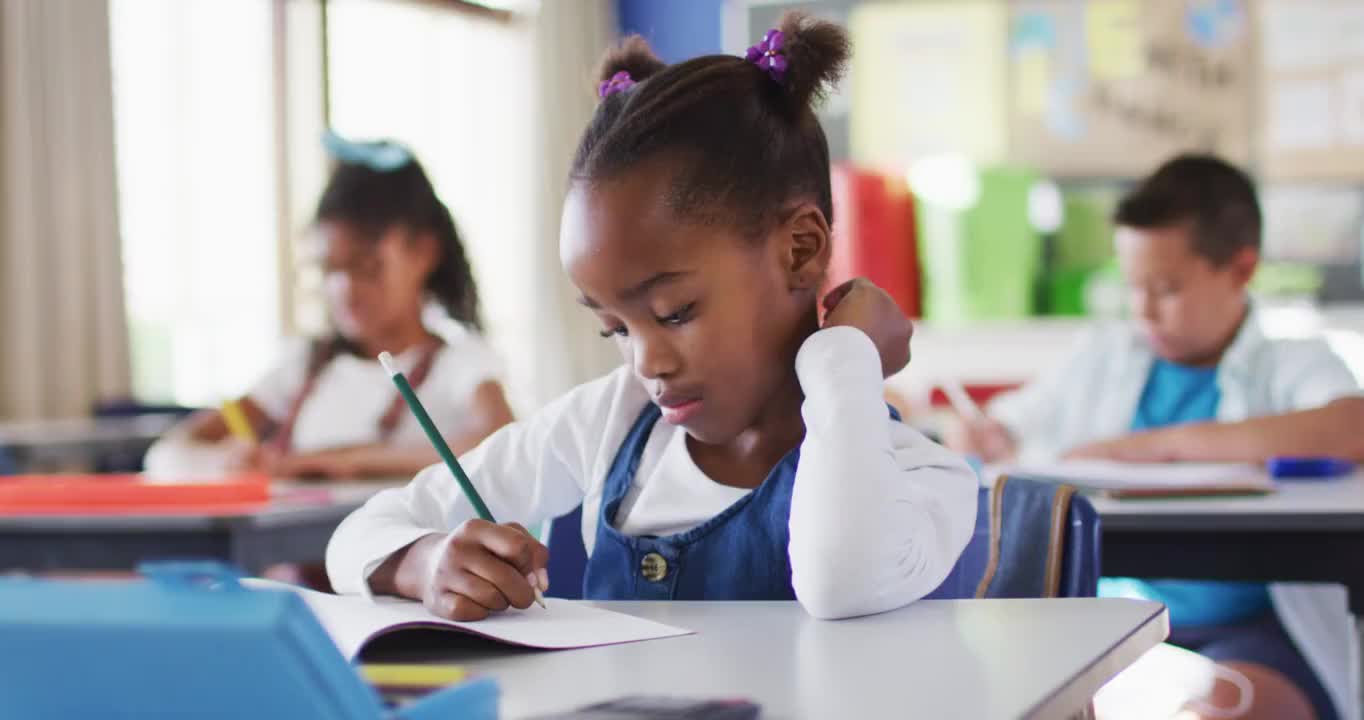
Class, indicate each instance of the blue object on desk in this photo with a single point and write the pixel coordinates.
(1308, 468)
(189, 641)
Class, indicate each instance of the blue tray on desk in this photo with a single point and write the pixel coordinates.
(188, 641)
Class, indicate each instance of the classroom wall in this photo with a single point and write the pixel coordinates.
(677, 29)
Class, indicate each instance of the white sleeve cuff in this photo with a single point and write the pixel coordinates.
(836, 361)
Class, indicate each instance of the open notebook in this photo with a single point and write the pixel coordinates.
(1147, 479)
(354, 621)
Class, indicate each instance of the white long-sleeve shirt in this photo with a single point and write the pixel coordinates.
(879, 513)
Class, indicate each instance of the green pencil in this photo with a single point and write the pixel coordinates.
(432, 434)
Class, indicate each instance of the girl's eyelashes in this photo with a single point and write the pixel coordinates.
(682, 316)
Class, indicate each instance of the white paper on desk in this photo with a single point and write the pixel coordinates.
(353, 621)
(1110, 475)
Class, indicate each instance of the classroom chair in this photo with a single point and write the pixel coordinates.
(1033, 539)
(128, 457)
(1048, 546)
(133, 408)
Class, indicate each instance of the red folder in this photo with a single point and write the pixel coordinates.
(129, 495)
(874, 235)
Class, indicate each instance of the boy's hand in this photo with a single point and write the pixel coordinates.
(1151, 446)
(860, 304)
(987, 439)
(481, 568)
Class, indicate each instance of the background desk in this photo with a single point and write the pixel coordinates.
(934, 659)
(82, 445)
(1305, 532)
(294, 527)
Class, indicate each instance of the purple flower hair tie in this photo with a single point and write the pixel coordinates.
(768, 55)
(620, 82)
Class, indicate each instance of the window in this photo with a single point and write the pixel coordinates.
(204, 179)
(457, 87)
(194, 119)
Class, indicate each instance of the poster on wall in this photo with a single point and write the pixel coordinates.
(927, 79)
(1114, 87)
(1312, 101)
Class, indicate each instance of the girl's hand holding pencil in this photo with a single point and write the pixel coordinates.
(483, 567)
(479, 568)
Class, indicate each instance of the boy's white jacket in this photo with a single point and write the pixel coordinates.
(1094, 396)
(879, 514)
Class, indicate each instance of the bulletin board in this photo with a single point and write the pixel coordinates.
(927, 79)
(1312, 104)
(1114, 87)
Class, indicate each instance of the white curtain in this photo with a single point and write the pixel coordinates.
(570, 40)
(63, 333)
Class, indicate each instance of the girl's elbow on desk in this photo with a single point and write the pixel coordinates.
(828, 598)
(853, 569)
(837, 598)
(845, 584)
(821, 608)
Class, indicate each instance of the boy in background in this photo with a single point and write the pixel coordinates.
(1194, 377)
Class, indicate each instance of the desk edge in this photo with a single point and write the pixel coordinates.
(1080, 689)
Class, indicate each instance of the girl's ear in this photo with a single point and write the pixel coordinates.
(1243, 264)
(804, 243)
(424, 249)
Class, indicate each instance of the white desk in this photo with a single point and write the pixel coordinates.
(934, 659)
(1335, 504)
(1305, 532)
